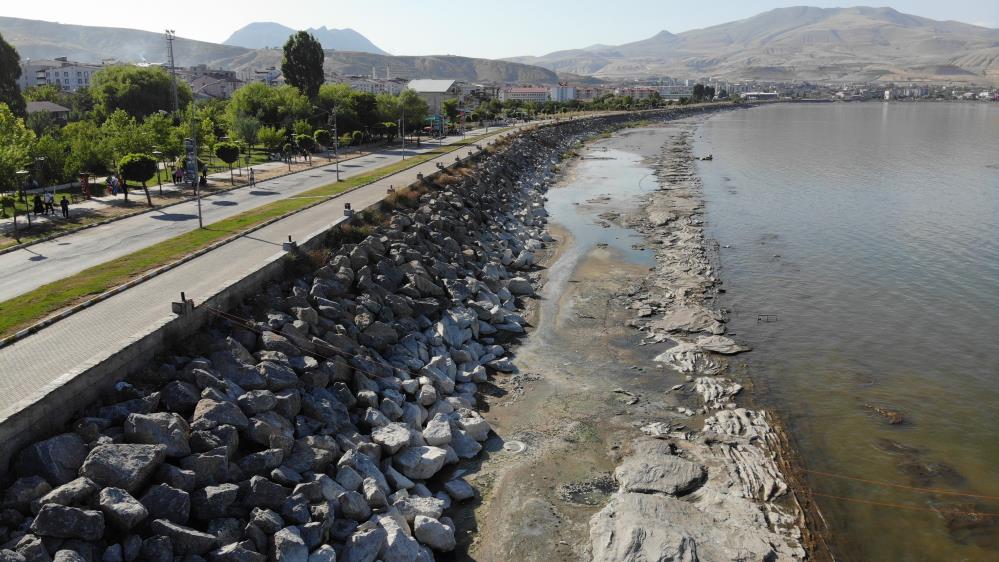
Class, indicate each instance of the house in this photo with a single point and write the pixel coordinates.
(60, 72)
(58, 112)
(207, 87)
(435, 92)
(562, 92)
(525, 94)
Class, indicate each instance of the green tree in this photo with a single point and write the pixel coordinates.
(41, 122)
(10, 71)
(139, 91)
(44, 92)
(301, 127)
(302, 64)
(16, 142)
(246, 128)
(122, 136)
(450, 109)
(271, 137)
(87, 149)
(228, 152)
(52, 168)
(698, 92)
(277, 106)
(709, 93)
(138, 167)
(322, 137)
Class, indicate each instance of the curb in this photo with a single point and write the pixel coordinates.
(63, 314)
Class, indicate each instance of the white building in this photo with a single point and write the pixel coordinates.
(206, 87)
(67, 75)
(562, 92)
(526, 94)
(375, 85)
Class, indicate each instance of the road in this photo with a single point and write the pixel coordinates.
(26, 269)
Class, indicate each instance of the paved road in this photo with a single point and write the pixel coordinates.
(33, 366)
(29, 268)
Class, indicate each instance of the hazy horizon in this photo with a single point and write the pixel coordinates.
(483, 31)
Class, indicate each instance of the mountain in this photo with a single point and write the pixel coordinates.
(800, 43)
(46, 40)
(263, 34)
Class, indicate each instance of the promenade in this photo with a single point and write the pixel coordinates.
(32, 367)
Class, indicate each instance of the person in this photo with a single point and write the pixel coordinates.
(36, 204)
(64, 203)
(204, 180)
(113, 182)
(253, 180)
(49, 200)
(176, 175)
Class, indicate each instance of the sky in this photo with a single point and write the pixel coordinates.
(494, 29)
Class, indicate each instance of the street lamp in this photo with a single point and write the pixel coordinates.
(21, 179)
(159, 159)
(192, 152)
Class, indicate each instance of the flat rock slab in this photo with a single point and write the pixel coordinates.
(123, 466)
(640, 527)
(664, 474)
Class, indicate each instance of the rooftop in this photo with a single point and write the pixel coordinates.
(46, 106)
(430, 86)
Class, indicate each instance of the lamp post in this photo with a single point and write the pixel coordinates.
(191, 145)
(402, 131)
(159, 159)
(21, 177)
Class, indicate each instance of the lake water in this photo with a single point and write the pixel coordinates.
(872, 232)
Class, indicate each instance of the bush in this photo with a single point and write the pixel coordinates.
(138, 167)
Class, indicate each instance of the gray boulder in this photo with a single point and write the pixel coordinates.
(68, 523)
(209, 414)
(391, 437)
(166, 502)
(438, 431)
(121, 509)
(420, 462)
(123, 466)
(68, 556)
(665, 474)
(289, 546)
(184, 539)
(56, 459)
(162, 428)
(364, 544)
(74, 492)
(433, 533)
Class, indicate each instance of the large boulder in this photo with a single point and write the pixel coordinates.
(289, 547)
(166, 502)
(161, 428)
(64, 522)
(184, 539)
(209, 414)
(121, 509)
(433, 533)
(56, 459)
(123, 466)
(391, 437)
(665, 474)
(420, 462)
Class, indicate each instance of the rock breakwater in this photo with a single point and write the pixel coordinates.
(322, 420)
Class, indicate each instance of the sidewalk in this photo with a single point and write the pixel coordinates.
(43, 362)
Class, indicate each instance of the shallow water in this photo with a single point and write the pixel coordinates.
(872, 232)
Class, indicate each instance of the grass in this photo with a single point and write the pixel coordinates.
(31, 307)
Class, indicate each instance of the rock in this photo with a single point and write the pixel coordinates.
(464, 446)
(24, 491)
(157, 549)
(474, 424)
(165, 502)
(373, 494)
(56, 459)
(11, 556)
(391, 437)
(68, 523)
(121, 509)
(275, 342)
(520, 286)
(177, 477)
(365, 544)
(438, 431)
(354, 506)
(235, 553)
(289, 547)
(257, 401)
(420, 462)
(399, 544)
(184, 539)
(278, 376)
(434, 533)
(459, 489)
(266, 520)
(163, 428)
(652, 469)
(378, 335)
(653, 527)
(76, 491)
(68, 556)
(325, 553)
(265, 493)
(123, 466)
(209, 414)
(296, 510)
(411, 506)
(211, 502)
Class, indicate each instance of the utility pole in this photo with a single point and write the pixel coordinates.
(336, 143)
(170, 34)
(402, 131)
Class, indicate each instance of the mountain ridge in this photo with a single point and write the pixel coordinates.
(36, 39)
(263, 34)
(800, 43)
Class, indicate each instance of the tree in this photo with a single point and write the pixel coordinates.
(41, 122)
(122, 136)
(450, 109)
(138, 167)
(16, 142)
(228, 152)
(271, 137)
(246, 129)
(10, 71)
(277, 106)
(52, 169)
(87, 148)
(698, 92)
(709, 93)
(44, 92)
(139, 91)
(302, 64)
(322, 137)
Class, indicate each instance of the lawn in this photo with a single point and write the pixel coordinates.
(34, 306)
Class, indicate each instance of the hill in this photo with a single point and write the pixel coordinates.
(801, 43)
(46, 40)
(260, 35)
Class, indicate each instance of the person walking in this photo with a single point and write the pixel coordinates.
(37, 206)
(64, 203)
(49, 200)
(253, 180)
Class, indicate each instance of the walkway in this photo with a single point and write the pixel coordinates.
(40, 363)
(29, 268)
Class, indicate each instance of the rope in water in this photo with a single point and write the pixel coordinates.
(902, 486)
(907, 506)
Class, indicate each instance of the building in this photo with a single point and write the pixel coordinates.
(675, 92)
(66, 75)
(525, 94)
(375, 86)
(435, 92)
(208, 87)
(759, 96)
(637, 92)
(58, 112)
(562, 92)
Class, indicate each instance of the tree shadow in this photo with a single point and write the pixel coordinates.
(174, 217)
(225, 203)
(260, 192)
